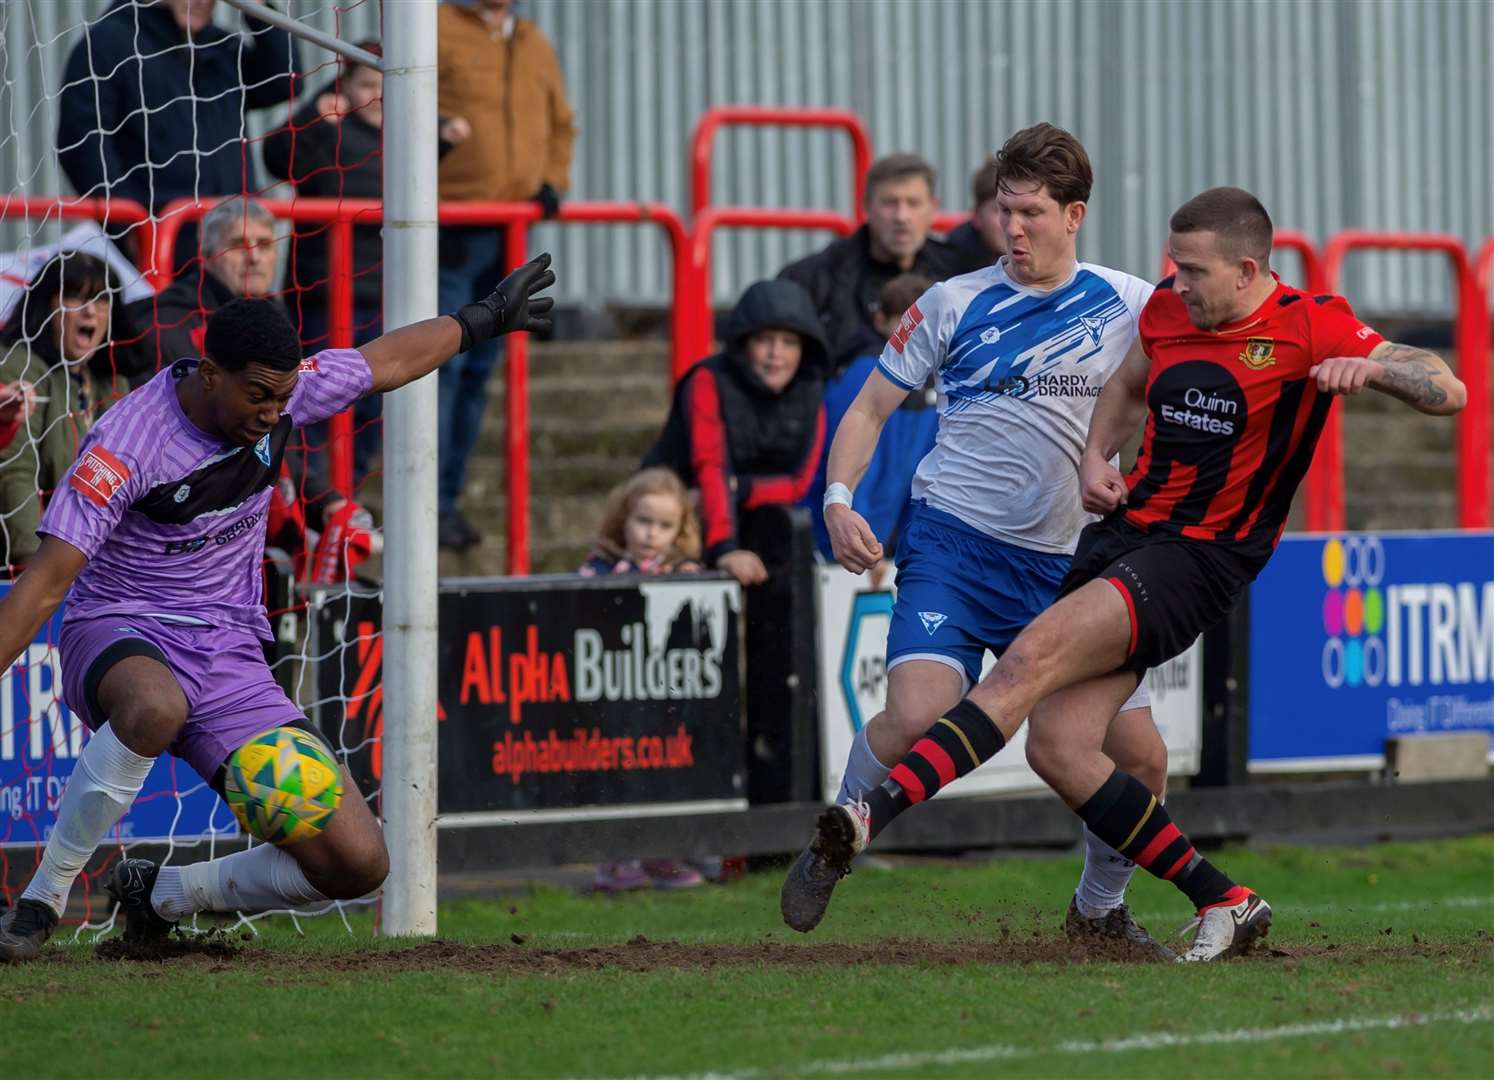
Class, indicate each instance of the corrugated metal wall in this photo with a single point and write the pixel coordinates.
(1366, 113)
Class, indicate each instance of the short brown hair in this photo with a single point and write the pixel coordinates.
(983, 185)
(897, 295)
(622, 499)
(1046, 155)
(898, 167)
(1237, 219)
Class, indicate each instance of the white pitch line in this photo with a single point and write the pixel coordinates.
(1156, 1040)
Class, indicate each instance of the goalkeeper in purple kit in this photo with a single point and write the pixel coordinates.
(155, 538)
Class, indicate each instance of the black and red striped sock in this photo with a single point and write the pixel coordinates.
(957, 743)
(1128, 817)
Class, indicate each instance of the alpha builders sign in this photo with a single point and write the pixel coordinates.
(1363, 636)
(560, 693)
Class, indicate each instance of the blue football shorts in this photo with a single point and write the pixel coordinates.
(961, 592)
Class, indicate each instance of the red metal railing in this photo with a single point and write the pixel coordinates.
(702, 144)
(340, 217)
(1470, 334)
(691, 315)
(694, 332)
(518, 217)
(105, 211)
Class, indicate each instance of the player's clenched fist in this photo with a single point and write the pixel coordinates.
(1344, 374)
(1101, 486)
(851, 538)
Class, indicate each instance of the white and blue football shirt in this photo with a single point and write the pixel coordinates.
(1017, 371)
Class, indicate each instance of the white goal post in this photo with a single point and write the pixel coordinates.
(410, 553)
(410, 474)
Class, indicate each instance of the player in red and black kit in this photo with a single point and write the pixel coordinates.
(1235, 374)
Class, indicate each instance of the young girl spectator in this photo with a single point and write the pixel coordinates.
(648, 527)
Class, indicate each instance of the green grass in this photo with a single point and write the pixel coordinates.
(330, 1005)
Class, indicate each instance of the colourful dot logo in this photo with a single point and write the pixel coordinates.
(1354, 612)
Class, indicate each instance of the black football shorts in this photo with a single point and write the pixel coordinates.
(1175, 587)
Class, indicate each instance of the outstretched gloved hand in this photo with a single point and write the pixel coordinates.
(512, 306)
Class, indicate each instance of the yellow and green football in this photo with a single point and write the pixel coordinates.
(282, 786)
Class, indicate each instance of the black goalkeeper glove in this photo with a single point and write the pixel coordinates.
(511, 306)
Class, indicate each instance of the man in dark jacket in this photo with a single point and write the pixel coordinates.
(156, 84)
(845, 280)
(981, 239)
(748, 424)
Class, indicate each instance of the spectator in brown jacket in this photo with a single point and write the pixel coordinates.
(499, 74)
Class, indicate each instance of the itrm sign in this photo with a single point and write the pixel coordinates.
(1360, 637)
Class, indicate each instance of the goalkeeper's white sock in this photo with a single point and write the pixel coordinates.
(863, 771)
(104, 783)
(264, 878)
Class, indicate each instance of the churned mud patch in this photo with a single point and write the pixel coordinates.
(217, 946)
(642, 954)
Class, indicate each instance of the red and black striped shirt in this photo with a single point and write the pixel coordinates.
(1233, 416)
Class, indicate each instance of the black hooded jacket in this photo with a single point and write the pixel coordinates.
(741, 444)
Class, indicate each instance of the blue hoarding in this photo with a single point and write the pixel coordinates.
(1360, 637)
(40, 739)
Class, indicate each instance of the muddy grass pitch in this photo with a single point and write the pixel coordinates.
(1379, 961)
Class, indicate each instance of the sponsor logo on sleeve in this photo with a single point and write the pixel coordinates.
(310, 364)
(1365, 333)
(911, 318)
(98, 475)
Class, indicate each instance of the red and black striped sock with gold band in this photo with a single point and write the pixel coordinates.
(957, 743)
(1128, 817)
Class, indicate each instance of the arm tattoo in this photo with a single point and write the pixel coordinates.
(1410, 375)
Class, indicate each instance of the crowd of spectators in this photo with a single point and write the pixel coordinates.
(153, 108)
(750, 426)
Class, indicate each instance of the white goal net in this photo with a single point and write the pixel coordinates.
(122, 125)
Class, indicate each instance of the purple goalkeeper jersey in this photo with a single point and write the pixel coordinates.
(173, 519)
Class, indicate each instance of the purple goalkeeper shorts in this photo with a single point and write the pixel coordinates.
(231, 696)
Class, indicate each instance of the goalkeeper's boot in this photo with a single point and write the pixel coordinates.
(24, 929)
(1115, 926)
(130, 885)
(841, 834)
(1229, 927)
